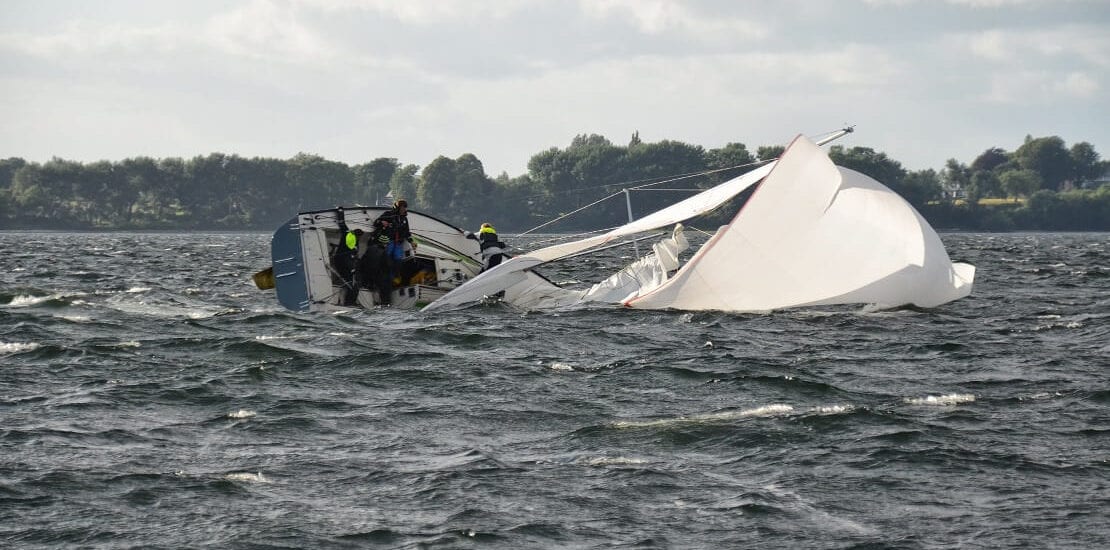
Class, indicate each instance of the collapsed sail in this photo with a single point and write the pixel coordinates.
(811, 234)
(507, 276)
(816, 234)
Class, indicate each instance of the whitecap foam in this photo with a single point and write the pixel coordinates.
(247, 477)
(25, 300)
(1041, 395)
(946, 400)
(766, 410)
(162, 311)
(611, 461)
(17, 347)
(833, 409)
(1051, 326)
(561, 366)
(138, 289)
(241, 413)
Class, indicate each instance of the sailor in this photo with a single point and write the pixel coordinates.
(344, 261)
(493, 250)
(398, 228)
(375, 264)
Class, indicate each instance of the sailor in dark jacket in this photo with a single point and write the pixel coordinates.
(343, 262)
(386, 249)
(493, 250)
(396, 225)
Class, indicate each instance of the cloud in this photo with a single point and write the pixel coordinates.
(266, 31)
(656, 17)
(1085, 43)
(1080, 85)
(83, 39)
(426, 12)
(969, 3)
(1024, 87)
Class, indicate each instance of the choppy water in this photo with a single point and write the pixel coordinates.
(151, 397)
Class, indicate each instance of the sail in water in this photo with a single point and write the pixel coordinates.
(811, 234)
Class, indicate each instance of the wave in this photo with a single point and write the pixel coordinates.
(946, 400)
(766, 410)
(18, 347)
(247, 477)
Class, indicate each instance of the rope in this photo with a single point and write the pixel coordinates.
(643, 187)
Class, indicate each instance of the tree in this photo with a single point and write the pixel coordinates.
(403, 184)
(372, 179)
(319, 182)
(868, 161)
(8, 167)
(635, 139)
(990, 159)
(955, 177)
(436, 188)
(1020, 183)
(666, 160)
(732, 155)
(1085, 162)
(1048, 157)
(918, 188)
(30, 195)
(986, 184)
(769, 152)
(474, 190)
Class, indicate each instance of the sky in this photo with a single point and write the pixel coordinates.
(353, 80)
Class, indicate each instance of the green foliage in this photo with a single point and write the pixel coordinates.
(919, 188)
(436, 190)
(371, 180)
(1020, 183)
(769, 152)
(229, 191)
(1086, 165)
(1047, 157)
(403, 184)
(990, 159)
(984, 183)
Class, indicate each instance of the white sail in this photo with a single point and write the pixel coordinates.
(691, 207)
(811, 234)
(816, 234)
(643, 275)
(491, 281)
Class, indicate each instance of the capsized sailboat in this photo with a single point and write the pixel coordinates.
(811, 234)
(303, 275)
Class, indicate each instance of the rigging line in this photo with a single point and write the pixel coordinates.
(675, 178)
(702, 231)
(575, 235)
(654, 235)
(695, 174)
(638, 188)
(836, 133)
(573, 212)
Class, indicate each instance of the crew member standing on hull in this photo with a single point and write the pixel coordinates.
(391, 232)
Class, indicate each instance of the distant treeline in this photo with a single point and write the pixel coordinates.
(1065, 188)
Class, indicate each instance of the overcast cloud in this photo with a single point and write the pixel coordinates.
(354, 80)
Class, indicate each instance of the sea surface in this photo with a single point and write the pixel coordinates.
(151, 397)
